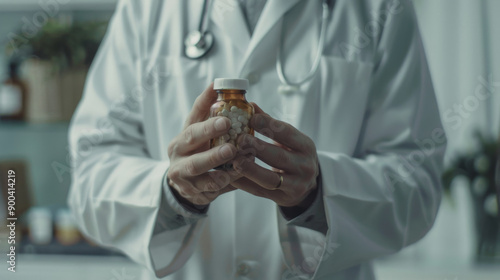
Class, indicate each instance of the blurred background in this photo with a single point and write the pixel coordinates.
(47, 46)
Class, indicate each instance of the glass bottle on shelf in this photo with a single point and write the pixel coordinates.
(13, 95)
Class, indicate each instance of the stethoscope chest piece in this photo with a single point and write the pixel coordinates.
(288, 90)
(197, 44)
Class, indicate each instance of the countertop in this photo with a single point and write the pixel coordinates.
(59, 267)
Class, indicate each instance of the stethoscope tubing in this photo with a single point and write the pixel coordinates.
(199, 52)
(204, 13)
(319, 52)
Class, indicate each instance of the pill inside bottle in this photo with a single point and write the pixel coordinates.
(232, 104)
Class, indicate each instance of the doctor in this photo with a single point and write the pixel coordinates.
(360, 142)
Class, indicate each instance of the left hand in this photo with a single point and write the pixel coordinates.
(293, 156)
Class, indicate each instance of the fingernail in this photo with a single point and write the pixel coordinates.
(237, 165)
(226, 152)
(220, 124)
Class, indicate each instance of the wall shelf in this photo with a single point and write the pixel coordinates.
(22, 125)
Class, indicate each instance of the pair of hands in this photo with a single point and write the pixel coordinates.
(293, 157)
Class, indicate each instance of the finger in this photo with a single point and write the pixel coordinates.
(257, 109)
(251, 187)
(274, 155)
(198, 134)
(201, 106)
(200, 199)
(214, 195)
(190, 193)
(265, 178)
(282, 133)
(214, 181)
(200, 163)
(206, 198)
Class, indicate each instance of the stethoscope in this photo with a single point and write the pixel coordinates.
(199, 42)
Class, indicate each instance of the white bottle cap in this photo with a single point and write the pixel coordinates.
(223, 83)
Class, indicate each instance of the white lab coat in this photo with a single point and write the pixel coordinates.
(370, 109)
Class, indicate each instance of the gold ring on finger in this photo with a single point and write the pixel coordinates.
(279, 183)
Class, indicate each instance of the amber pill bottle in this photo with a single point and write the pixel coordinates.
(232, 104)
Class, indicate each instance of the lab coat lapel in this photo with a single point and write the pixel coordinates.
(228, 16)
(273, 11)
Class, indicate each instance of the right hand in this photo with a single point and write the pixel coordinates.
(191, 158)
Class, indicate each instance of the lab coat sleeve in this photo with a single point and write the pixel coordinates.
(173, 214)
(314, 216)
(117, 194)
(387, 195)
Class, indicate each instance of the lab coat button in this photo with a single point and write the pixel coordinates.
(243, 269)
(253, 78)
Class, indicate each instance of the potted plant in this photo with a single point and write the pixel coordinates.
(482, 169)
(56, 64)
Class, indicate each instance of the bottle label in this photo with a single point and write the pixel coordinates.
(11, 102)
